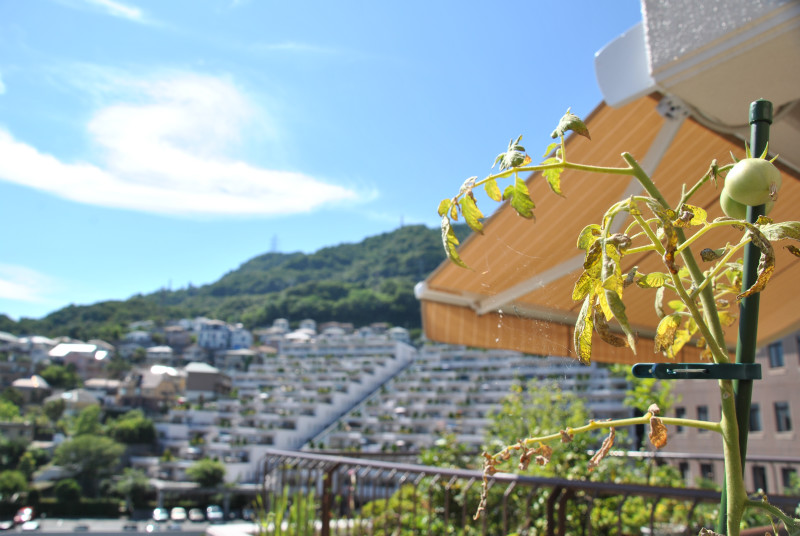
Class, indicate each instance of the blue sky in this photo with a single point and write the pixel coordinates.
(150, 144)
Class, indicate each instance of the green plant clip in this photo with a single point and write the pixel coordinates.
(698, 371)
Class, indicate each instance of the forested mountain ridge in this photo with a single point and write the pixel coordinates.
(359, 283)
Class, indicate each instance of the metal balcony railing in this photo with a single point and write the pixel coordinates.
(319, 494)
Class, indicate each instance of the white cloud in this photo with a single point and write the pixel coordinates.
(165, 150)
(23, 284)
(118, 9)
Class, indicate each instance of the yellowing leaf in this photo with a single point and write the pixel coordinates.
(450, 242)
(472, 214)
(583, 286)
(665, 332)
(444, 206)
(588, 236)
(653, 280)
(582, 338)
(493, 191)
(553, 176)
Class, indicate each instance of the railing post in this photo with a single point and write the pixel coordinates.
(327, 500)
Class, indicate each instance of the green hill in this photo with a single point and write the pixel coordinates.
(360, 283)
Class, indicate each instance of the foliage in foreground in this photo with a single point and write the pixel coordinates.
(701, 298)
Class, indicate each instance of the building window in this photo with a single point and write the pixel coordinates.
(702, 415)
(683, 467)
(759, 478)
(789, 479)
(680, 413)
(783, 419)
(775, 354)
(755, 418)
(707, 471)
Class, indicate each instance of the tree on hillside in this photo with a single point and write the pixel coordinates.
(207, 473)
(91, 457)
(133, 428)
(8, 411)
(88, 421)
(12, 482)
(61, 377)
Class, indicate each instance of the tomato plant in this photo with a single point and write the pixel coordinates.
(700, 311)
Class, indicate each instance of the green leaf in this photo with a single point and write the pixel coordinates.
(570, 121)
(653, 280)
(472, 214)
(520, 198)
(450, 242)
(493, 191)
(553, 176)
(588, 236)
(665, 333)
(550, 149)
(582, 338)
(514, 157)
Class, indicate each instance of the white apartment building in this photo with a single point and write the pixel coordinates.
(284, 401)
(453, 390)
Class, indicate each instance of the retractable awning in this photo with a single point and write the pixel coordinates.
(517, 294)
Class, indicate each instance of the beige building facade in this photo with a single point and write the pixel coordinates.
(773, 452)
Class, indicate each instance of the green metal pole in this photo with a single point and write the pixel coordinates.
(760, 121)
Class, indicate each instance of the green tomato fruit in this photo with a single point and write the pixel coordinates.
(736, 210)
(753, 181)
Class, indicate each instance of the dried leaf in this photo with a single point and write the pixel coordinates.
(602, 329)
(658, 433)
(709, 254)
(566, 437)
(654, 409)
(618, 308)
(766, 264)
(601, 453)
(793, 250)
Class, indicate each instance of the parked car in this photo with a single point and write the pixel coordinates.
(178, 514)
(24, 514)
(30, 526)
(196, 515)
(160, 515)
(214, 514)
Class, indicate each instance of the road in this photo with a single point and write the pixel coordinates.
(100, 527)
